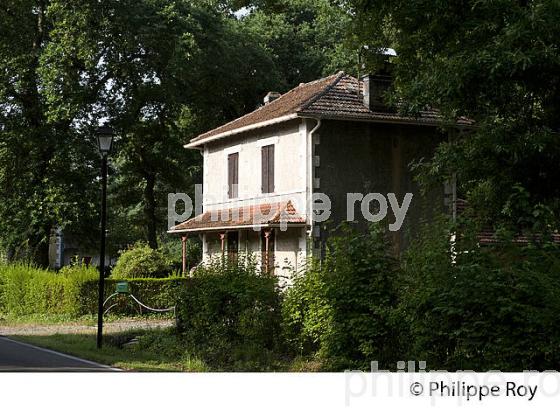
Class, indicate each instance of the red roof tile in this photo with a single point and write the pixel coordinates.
(488, 235)
(286, 104)
(267, 214)
(333, 97)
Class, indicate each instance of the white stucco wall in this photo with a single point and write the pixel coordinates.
(290, 171)
(292, 167)
(289, 249)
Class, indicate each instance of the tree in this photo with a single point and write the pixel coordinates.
(305, 39)
(140, 57)
(494, 62)
(162, 71)
(45, 166)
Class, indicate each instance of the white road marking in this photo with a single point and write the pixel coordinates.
(99, 365)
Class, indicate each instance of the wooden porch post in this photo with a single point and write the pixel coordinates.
(184, 253)
(223, 239)
(266, 251)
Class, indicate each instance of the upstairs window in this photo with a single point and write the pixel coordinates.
(233, 174)
(267, 169)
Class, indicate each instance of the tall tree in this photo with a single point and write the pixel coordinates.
(161, 71)
(305, 39)
(44, 168)
(497, 63)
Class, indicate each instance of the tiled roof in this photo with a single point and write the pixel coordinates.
(333, 97)
(288, 103)
(276, 213)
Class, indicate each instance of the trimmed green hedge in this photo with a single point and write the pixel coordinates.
(154, 292)
(26, 290)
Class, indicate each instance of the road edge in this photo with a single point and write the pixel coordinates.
(68, 356)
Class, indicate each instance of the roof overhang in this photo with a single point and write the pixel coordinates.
(396, 121)
(196, 143)
(236, 227)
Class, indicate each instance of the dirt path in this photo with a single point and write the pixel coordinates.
(77, 328)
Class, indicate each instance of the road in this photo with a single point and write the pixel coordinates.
(16, 356)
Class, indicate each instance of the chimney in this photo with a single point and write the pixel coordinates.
(375, 88)
(271, 96)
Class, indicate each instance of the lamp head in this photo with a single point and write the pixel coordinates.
(105, 136)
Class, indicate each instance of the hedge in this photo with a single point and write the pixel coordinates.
(26, 290)
(230, 313)
(153, 292)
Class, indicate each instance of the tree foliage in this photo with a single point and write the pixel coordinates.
(477, 308)
(161, 71)
(342, 309)
(496, 63)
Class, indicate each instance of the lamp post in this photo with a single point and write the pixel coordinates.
(105, 136)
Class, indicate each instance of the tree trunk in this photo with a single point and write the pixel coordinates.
(150, 210)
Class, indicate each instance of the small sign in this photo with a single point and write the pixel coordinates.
(122, 287)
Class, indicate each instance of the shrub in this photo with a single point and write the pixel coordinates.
(229, 313)
(482, 307)
(73, 291)
(141, 261)
(160, 293)
(25, 289)
(342, 308)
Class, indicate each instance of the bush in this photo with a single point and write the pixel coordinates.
(160, 293)
(482, 308)
(25, 289)
(141, 261)
(342, 309)
(229, 313)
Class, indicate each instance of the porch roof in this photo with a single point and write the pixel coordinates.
(261, 215)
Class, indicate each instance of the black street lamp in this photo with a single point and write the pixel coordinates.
(105, 137)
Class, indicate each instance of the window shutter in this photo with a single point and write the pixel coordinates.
(230, 176)
(267, 168)
(264, 170)
(233, 175)
(271, 168)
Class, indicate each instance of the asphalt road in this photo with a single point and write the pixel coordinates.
(16, 356)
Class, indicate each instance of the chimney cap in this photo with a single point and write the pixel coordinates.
(271, 96)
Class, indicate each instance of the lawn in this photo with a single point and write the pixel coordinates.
(155, 350)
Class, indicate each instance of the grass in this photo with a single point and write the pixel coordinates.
(46, 319)
(156, 350)
(160, 350)
(67, 319)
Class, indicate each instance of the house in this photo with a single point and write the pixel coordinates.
(67, 248)
(332, 136)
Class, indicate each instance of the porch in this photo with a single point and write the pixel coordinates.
(273, 233)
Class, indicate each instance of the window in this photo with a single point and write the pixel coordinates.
(233, 174)
(267, 169)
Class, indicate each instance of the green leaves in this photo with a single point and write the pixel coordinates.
(141, 261)
(230, 314)
(485, 308)
(494, 62)
(343, 308)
